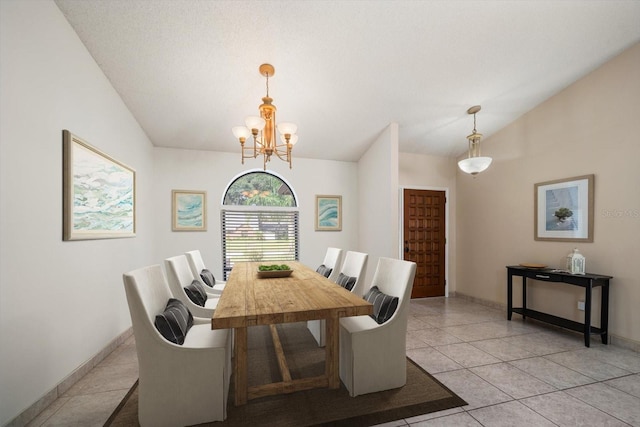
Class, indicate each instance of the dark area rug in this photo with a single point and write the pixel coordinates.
(319, 407)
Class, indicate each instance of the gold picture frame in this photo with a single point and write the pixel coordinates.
(188, 210)
(563, 209)
(98, 193)
(328, 213)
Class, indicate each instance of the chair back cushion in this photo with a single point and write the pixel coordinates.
(325, 271)
(208, 278)
(383, 305)
(355, 264)
(346, 282)
(174, 322)
(395, 277)
(196, 293)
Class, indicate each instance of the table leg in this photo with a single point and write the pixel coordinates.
(509, 295)
(524, 297)
(240, 366)
(604, 313)
(587, 315)
(332, 351)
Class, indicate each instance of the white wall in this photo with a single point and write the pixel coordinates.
(424, 172)
(60, 302)
(213, 171)
(378, 199)
(591, 127)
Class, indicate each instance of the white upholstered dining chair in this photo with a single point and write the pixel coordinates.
(197, 266)
(350, 276)
(331, 264)
(373, 355)
(183, 384)
(179, 276)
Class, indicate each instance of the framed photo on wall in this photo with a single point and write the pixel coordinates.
(328, 213)
(563, 210)
(189, 210)
(98, 195)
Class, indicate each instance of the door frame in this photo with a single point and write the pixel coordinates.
(446, 228)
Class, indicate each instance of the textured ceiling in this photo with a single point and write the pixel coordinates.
(188, 70)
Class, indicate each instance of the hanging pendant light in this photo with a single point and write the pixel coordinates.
(474, 163)
(263, 130)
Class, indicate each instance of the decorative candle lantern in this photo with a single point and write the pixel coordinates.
(576, 262)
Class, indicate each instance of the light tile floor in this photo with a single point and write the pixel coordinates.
(90, 401)
(510, 373)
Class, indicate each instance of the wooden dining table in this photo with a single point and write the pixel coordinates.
(249, 300)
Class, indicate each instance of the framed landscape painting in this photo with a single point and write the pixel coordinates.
(189, 210)
(98, 193)
(328, 213)
(563, 209)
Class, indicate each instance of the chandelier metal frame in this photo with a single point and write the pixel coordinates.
(263, 129)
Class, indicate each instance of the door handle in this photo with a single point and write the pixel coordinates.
(406, 249)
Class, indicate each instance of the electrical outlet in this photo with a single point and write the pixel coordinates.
(581, 305)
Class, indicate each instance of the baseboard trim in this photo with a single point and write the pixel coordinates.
(615, 340)
(481, 301)
(624, 343)
(49, 397)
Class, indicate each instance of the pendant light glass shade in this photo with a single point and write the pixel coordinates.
(255, 122)
(292, 140)
(287, 128)
(474, 165)
(241, 132)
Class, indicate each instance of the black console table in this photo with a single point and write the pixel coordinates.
(586, 281)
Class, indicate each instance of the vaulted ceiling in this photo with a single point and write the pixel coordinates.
(344, 70)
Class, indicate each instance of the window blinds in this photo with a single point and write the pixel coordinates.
(258, 235)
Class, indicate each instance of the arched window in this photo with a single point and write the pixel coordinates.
(259, 220)
(259, 189)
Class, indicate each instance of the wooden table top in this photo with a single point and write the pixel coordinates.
(305, 295)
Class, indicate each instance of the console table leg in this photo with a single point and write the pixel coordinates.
(509, 295)
(524, 297)
(604, 314)
(587, 316)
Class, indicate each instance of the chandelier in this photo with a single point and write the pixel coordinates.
(263, 130)
(474, 163)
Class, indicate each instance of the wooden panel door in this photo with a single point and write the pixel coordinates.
(424, 240)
